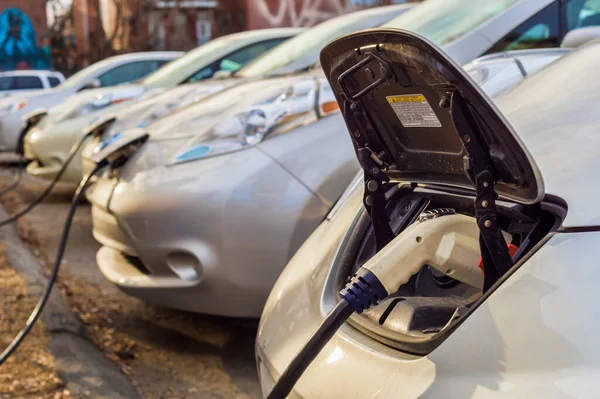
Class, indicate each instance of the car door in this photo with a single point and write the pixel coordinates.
(129, 72)
(236, 59)
(548, 27)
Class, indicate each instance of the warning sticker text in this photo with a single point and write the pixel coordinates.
(413, 110)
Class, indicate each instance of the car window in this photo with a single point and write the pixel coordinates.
(6, 83)
(180, 69)
(444, 21)
(582, 13)
(235, 60)
(539, 31)
(303, 50)
(128, 72)
(28, 82)
(53, 81)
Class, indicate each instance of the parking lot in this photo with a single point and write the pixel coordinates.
(96, 341)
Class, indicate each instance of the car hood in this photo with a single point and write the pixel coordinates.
(104, 98)
(421, 118)
(155, 105)
(192, 119)
(37, 98)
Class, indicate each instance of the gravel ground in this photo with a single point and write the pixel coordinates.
(31, 372)
(165, 353)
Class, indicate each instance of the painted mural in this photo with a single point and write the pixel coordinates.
(18, 47)
(269, 13)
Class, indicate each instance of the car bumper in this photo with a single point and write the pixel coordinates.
(209, 236)
(10, 130)
(48, 147)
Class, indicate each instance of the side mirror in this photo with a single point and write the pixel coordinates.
(579, 36)
(222, 74)
(92, 84)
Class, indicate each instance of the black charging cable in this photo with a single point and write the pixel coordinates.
(37, 311)
(48, 189)
(334, 320)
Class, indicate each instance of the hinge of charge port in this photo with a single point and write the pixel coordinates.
(480, 169)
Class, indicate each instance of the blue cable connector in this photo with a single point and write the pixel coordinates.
(363, 291)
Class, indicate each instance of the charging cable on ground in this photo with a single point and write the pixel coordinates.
(55, 268)
(48, 189)
(449, 244)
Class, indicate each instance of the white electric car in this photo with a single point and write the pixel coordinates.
(48, 143)
(475, 226)
(20, 82)
(224, 191)
(108, 72)
(294, 56)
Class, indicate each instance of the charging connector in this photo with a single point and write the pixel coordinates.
(449, 244)
(92, 131)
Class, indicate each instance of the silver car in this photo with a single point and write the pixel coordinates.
(224, 192)
(498, 303)
(48, 143)
(109, 72)
(294, 56)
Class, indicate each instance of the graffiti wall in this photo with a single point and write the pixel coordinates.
(275, 13)
(18, 44)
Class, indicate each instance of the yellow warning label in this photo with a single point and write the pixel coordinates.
(413, 110)
(413, 98)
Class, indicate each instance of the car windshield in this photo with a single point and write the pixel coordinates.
(443, 21)
(302, 51)
(175, 71)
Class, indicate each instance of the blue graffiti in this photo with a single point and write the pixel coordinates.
(18, 49)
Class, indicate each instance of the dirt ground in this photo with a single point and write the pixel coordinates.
(31, 371)
(165, 353)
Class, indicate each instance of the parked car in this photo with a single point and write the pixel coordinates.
(437, 336)
(225, 190)
(19, 82)
(49, 142)
(109, 72)
(195, 263)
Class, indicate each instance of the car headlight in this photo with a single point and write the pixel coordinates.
(300, 103)
(12, 106)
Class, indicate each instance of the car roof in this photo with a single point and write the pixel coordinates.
(553, 112)
(520, 53)
(267, 33)
(146, 55)
(30, 73)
